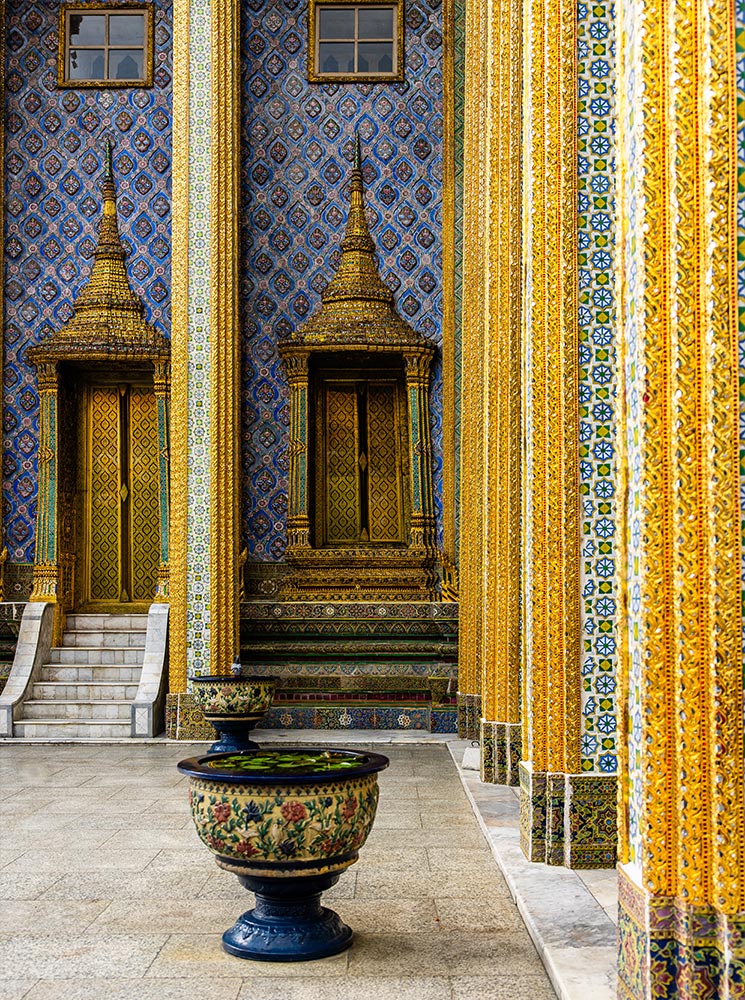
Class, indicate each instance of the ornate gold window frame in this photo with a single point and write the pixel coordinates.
(396, 76)
(113, 6)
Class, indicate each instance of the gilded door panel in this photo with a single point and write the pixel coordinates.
(120, 516)
(342, 479)
(384, 477)
(104, 511)
(144, 508)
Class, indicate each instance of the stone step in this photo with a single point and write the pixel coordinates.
(97, 655)
(79, 710)
(102, 639)
(82, 673)
(84, 691)
(71, 729)
(106, 623)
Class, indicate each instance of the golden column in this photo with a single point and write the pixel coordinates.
(205, 516)
(550, 522)
(472, 404)
(501, 732)
(682, 813)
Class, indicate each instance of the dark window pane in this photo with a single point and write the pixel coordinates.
(87, 29)
(86, 64)
(125, 64)
(127, 29)
(336, 24)
(336, 57)
(375, 57)
(375, 23)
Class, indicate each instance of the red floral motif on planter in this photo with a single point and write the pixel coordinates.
(349, 808)
(293, 812)
(221, 811)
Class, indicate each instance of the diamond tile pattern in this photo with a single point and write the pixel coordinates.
(53, 163)
(297, 150)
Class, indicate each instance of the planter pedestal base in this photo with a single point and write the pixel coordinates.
(288, 923)
(234, 736)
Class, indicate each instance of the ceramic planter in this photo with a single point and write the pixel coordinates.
(287, 822)
(233, 705)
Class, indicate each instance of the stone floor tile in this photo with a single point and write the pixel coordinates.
(401, 916)
(401, 859)
(487, 913)
(153, 839)
(398, 820)
(453, 954)
(45, 916)
(74, 956)
(202, 956)
(74, 860)
(373, 883)
(15, 989)
(127, 885)
(183, 859)
(134, 989)
(26, 885)
(381, 987)
(458, 859)
(169, 916)
(508, 988)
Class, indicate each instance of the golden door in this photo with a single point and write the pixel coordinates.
(120, 513)
(359, 492)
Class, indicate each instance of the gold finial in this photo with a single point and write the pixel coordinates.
(357, 306)
(357, 275)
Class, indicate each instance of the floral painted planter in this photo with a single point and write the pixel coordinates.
(233, 705)
(287, 822)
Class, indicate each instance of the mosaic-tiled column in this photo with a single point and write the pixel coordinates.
(206, 361)
(564, 813)
(161, 381)
(417, 363)
(501, 732)
(682, 815)
(470, 623)
(298, 515)
(46, 565)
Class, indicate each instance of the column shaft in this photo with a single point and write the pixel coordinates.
(472, 403)
(550, 542)
(501, 259)
(205, 508)
(682, 915)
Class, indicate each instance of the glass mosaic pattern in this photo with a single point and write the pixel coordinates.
(198, 373)
(53, 171)
(740, 69)
(297, 151)
(597, 385)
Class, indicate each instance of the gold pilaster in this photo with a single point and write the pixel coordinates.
(162, 387)
(500, 494)
(298, 520)
(449, 374)
(551, 515)
(683, 666)
(178, 528)
(472, 404)
(225, 368)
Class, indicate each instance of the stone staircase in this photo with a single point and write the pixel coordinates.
(85, 690)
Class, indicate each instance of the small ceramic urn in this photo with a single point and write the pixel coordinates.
(233, 704)
(287, 822)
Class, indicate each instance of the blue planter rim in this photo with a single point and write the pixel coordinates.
(196, 767)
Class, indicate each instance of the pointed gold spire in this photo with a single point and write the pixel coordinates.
(357, 276)
(357, 306)
(109, 318)
(107, 299)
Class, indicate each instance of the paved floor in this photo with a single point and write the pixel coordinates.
(105, 891)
